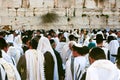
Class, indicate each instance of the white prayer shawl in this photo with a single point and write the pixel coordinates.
(59, 47)
(3, 73)
(86, 42)
(7, 57)
(9, 38)
(106, 52)
(17, 41)
(44, 46)
(56, 39)
(113, 47)
(80, 63)
(68, 73)
(66, 52)
(14, 52)
(35, 65)
(119, 74)
(102, 70)
(11, 71)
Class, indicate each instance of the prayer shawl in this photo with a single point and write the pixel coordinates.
(44, 46)
(68, 73)
(2, 73)
(102, 70)
(10, 70)
(80, 63)
(59, 47)
(8, 58)
(113, 47)
(10, 38)
(14, 52)
(66, 52)
(35, 65)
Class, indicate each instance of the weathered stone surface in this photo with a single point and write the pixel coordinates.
(12, 12)
(36, 3)
(72, 13)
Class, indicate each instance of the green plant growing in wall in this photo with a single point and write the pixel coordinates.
(84, 15)
(49, 17)
(104, 15)
(97, 16)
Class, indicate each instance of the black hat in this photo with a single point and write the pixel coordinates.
(81, 50)
(99, 37)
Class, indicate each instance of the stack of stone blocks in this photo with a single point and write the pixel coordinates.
(26, 14)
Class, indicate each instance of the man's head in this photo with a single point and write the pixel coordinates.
(3, 44)
(33, 43)
(99, 38)
(52, 42)
(78, 50)
(96, 54)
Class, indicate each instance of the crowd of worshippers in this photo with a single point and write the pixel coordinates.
(76, 54)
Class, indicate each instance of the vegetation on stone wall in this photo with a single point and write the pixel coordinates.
(49, 17)
(84, 15)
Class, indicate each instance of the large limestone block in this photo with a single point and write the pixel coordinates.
(40, 11)
(111, 20)
(78, 12)
(11, 3)
(17, 3)
(21, 12)
(90, 4)
(48, 3)
(80, 20)
(62, 20)
(12, 12)
(3, 11)
(25, 4)
(29, 12)
(85, 20)
(21, 20)
(106, 4)
(66, 3)
(0, 20)
(34, 20)
(0, 3)
(7, 3)
(79, 3)
(112, 3)
(36, 3)
(6, 20)
(118, 3)
(59, 11)
(94, 20)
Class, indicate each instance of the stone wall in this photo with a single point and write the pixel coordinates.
(19, 14)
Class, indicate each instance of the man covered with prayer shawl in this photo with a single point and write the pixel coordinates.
(76, 65)
(51, 67)
(7, 70)
(31, 65)
(101, 69)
